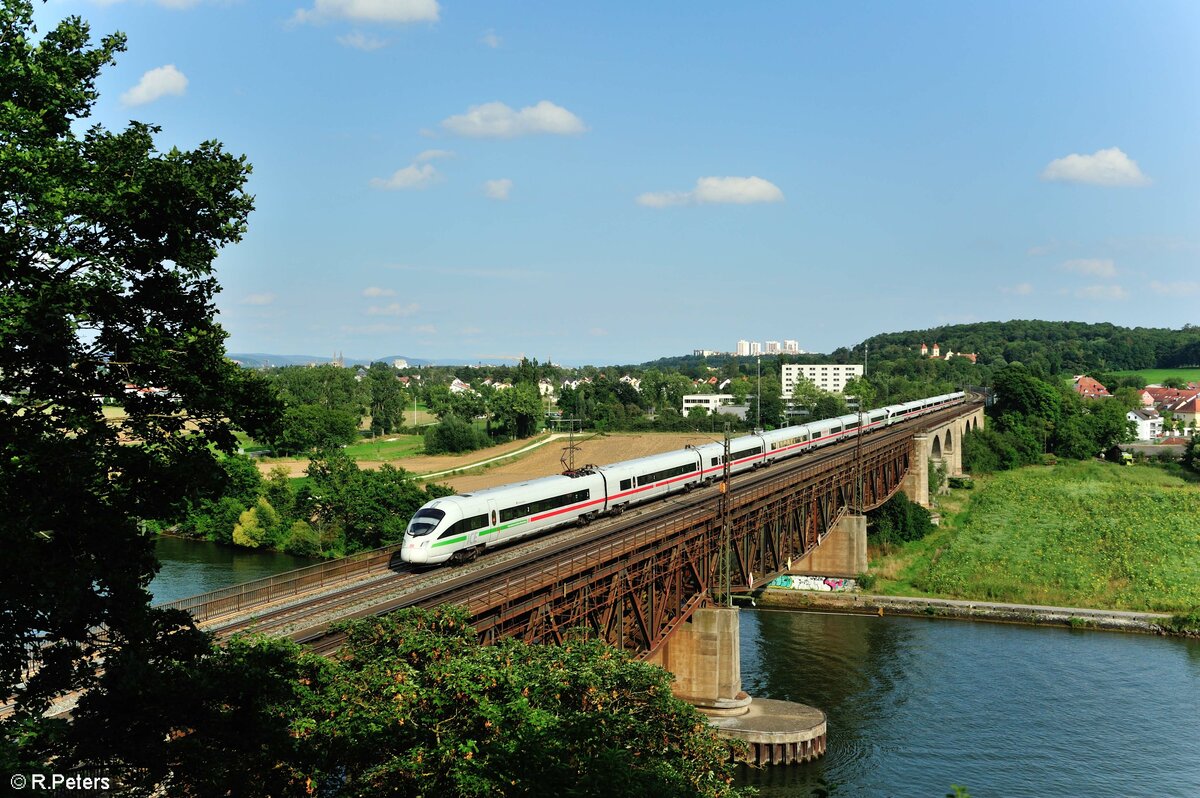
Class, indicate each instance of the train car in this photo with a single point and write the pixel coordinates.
(459, 527)
(635, 481)
(787, 442)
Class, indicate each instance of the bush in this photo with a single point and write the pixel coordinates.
(899, 520)
(303, 540)
(454, 435)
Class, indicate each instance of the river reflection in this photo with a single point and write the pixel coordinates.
(916, 705)
(190, 567)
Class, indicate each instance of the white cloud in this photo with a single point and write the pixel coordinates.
(394, 309)
(1093, 267)
(429, 155)
(735, 190)
(373, 291)
(1109, 167)
(411, 176)
(490, 39)
(396, 11)
(361, 41)
(1113, 292)
(428, 329)
(498, 189)
(371, 329)
(1020, 289)
(158, 82)
(497, 120)
(258, 299)
(1178, 288)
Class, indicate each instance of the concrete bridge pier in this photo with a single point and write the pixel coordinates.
(841, 552)
(704, 655)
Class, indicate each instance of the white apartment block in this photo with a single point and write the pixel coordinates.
(743, 348)
(709, 401)
(791, 347)
(773, 348)
(826, 376)
(755, 348)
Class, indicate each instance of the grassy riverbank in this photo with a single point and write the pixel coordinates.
(1077, 534)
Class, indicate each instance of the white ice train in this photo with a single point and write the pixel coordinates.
(459, 527)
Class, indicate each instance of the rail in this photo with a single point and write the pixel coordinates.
(236, 598)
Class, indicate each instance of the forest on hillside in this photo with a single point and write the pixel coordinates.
(1052, 347)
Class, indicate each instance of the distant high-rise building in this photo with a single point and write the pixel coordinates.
(743, 348)
(791, 347)
(826, 376)
(755, 348)
(773, 348)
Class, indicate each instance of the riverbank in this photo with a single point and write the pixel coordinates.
(1077, 534)
(1030, 614)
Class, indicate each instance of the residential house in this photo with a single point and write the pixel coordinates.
(1089, 388)
(1148, 422)
(1187, 414)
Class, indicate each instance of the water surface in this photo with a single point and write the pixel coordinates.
(916, 705)
(190, 567)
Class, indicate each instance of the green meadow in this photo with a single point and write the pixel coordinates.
(1087, 534)
(1156, 376)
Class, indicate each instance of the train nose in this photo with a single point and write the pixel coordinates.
(412, 552)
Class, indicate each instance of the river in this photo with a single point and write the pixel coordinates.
(191, 567)
(916, 704)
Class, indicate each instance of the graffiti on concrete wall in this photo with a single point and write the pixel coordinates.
(824, 584)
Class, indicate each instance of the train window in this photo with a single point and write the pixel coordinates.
(746, 452)
(465, 525)
(626, 484)
(666, 473)
(424, 522)
(543, 505)
(717, 460)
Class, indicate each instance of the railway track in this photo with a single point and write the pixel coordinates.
(526, 560)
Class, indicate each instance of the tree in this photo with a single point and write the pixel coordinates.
(364, 509)
(309, 427)
(416, 705)
(862, 390)
(453, 435)
(106, 254)
(387, 399)
(805, 393)
(518, 409)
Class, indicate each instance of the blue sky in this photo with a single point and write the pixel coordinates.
(614, 182)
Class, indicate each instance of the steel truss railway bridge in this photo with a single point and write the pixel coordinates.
(633, 580)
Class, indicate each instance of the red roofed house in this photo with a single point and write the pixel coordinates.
(1165, 397)
(1187, 412)
(1089, 388)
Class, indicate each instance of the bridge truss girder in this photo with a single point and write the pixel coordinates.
(634, 589)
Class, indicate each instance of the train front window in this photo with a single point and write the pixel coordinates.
(424, 522)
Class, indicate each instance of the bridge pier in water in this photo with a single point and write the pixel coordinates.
(703, 654)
